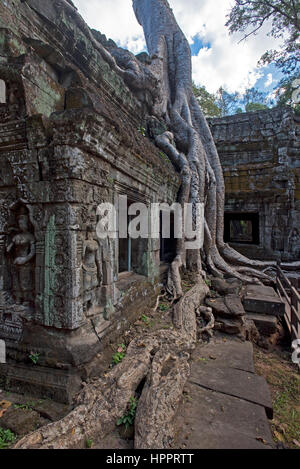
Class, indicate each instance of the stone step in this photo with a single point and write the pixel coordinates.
(265, 323)
(234, 382)
(262, 300)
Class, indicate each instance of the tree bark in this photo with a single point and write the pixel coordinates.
(193, 151)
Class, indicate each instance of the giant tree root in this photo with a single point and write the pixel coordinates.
(161, 358)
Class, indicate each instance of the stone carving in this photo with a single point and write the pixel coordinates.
(294, 243)
(92, 269)
(22, 250)
(277, 239)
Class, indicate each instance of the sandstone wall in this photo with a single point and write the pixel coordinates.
(259, 152)
(71, 138)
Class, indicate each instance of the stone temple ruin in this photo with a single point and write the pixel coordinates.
(71, 138)
(259, 152)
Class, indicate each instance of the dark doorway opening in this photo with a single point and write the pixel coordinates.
(132, 252)
(167, 245)
(241, 228)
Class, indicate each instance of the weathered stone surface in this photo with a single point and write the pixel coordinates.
(217, 421)
(259, 152)
(219, 410)
(224, 287)
(247, 386)
(226, 352)
(19, 421)
(265, 323)
(263, 300)
(229, 306)
(234, 304)
(229, 326)
(70, 139)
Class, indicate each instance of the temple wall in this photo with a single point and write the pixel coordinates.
(259, 152)
(70, 140)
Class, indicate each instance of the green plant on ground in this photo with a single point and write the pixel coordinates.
(119, 355)
(164, 156)
(89, 443)
(145, 319)
(164, 307)
(7, 438)
(142, 131)
(208, 282)
(284, 384)
(27, 406)
(129, 416)
(34, 357)
(286, 410)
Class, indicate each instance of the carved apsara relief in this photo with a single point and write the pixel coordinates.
(21, 250)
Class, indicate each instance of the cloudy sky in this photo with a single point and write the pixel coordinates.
(218, 59)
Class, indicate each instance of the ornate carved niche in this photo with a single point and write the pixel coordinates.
(18, 286)
(21, 251)
(12, 102)
(91, 270)
(294, 243)
(277, 238)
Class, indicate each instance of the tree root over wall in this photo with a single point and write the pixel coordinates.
(161, 359)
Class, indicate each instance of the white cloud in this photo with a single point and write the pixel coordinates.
(269, 80)
(226, 63)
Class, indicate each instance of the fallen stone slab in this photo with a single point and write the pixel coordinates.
(265, 323)
(229, 326)
(235, 306)
(218, 306)
(19, 421)
(51, 410)
(263, 290)
(224, 287)
(226, 353)
(211, 420)
(222, 308)
(263, 300)
(233, 382)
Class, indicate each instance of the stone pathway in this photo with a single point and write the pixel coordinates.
(226, 405)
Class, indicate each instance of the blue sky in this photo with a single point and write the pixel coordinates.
(218, 58)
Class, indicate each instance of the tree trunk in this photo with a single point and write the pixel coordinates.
(193, 151)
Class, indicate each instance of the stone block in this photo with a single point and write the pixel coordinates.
(265, 323)
(19, 421)
(263, 300)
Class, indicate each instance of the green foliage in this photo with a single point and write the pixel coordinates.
(227, 102)
(283, 16)
(224, 103)
(129, 416)
(164, 156)
(145, 319)
(208, 282)
(286, 92)
(251, 107)
(7, 438)
(119, 355)
(89, 443)
(164, 307)
(254, 96)
(34, 357)
(239, 110)
(207, 101)
(27, 406)
(142, 131)
(110, 180)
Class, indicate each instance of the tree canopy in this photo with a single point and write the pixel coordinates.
(207, 101)
(283, 18)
